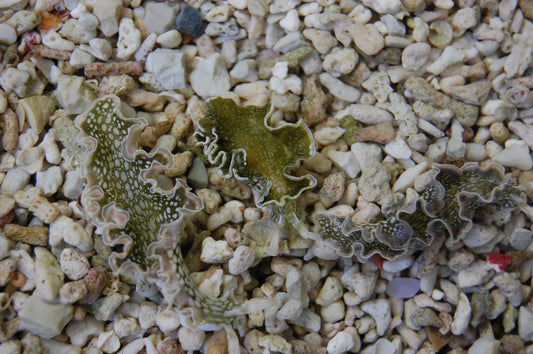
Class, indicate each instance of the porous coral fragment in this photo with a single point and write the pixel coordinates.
(448, 204)
(242, 143)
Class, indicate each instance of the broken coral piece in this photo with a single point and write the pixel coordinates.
(448, 204)
(242, 142)
(137, 216)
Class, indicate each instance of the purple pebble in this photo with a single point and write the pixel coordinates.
(403, 288)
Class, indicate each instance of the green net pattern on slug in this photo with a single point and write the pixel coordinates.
(242, 143)
(448, 204)
(137, 217)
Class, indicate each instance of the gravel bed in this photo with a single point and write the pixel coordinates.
(285, 216)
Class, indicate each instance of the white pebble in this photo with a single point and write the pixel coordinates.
(48, 274)
(461, 318)
(49, 180)
(65, 229)
(74, 264)
(191, 339)
(339, 89)
(516, 154)
(242, 259)
(380, 310)
(342, 342)
(215, 251)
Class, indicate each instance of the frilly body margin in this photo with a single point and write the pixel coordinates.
(448, 204)
(167, 268)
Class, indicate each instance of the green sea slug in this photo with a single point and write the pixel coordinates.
(137, 216)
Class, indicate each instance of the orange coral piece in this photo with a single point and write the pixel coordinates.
(52, 21)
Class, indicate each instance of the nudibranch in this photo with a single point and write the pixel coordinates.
(448, 204)
(139, 218)
(242, 143)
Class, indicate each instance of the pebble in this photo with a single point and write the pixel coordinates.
(49, 277)
(462, 315)
(67, 230)
(158, 18)
(367, 38)
(322, 41)
(510, 287)
(44, 319)
(215, 251)
(243, 258)
(479, 235)
(342, 342)
(210, 77)
(8, 35)
(380, 310)
(331, 291)
(363, 284)
(170, 39)
(74, 264)
(341, 61)
(485, 344)
(339, 89)
(189, 21)
(168, 67)
(403, 288)
(515, 154)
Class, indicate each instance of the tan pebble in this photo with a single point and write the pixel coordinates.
(527, 8)
(32, 235)
(10, 135)
(43, 209)
(382, 133)
(499, 132)
(18, 280)
(8, 218)
(218, 343)
(315, 102)
(149, 101)
(43, 51)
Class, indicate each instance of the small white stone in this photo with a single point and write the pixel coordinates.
(366, 114)
(341, 61)
(415, 55)
(322, 41)
(168, 66)
(328, 135)
(516, 154)
(14, 180)
(80, 331)
(50, 180)
(479, 235)
(191, 339)
(291, 21)
(398, 264)
(48, 274)
(380, 310)
(367, 154)
(462, 314)
(342, 342)
(245, 70)
(339, 89)
(345, 160)
(170, 39)
(74, 31)
(210, 77)
(525, 323)
(99, 48)
(107, 12)
(44, 319)
(242, 259)
(8, 35)
(126, 326)
(330, 291)
(79, 58)
(215, 251)
(108, 342)
(449, 56)
(159, 17)
(475, 274)
(147, 314)
(333, 312)
(145, 48)
(67, 230)
(72, 292)
(74, 264)
(367, 38)
(398, 149)
(486, 344)
(53, 40)
(167, 318)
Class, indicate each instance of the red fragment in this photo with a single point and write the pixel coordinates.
(376, 260)
(502, 260)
